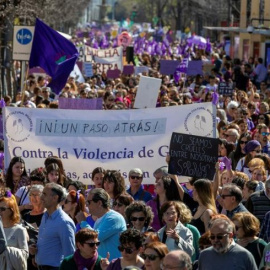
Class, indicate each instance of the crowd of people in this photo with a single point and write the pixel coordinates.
(49, 221)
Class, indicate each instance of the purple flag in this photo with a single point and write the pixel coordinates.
(54, 53)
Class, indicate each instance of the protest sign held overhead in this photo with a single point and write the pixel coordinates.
(105, 59)
(193, 156)
(147, 93)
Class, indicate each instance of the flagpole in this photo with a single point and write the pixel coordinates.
(24, 81)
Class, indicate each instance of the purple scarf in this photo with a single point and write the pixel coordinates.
(83, 263)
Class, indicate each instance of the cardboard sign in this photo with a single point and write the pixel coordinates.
(128, 69)
(113, 73)
(141, 69)
(168, 67)
(193, 156)
(225, 89)
(80, 103)
(194, 68)
(147, 93)
(88, 69)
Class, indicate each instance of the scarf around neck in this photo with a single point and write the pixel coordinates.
(83, 263)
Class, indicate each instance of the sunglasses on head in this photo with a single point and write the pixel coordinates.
(150, 257)
(92, 244)
(135, 177)
(127, 250)
(218, 237)
(118, 204)
(137, 218)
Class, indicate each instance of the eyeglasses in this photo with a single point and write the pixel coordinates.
(118, 204)
(163, 267)
(243, 142)
(92, 244)
(218, 237)
(228, 135)
(127, 250)
(265, 133)
(224, 196)
(3, 209)
(261, 118)
(150, 257)
(137, 218)
(67, 201)
(135, 177)
(257, 151)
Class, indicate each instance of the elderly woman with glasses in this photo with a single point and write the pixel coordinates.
(131, 242)
(139, 216)
(34, 215)
(86, 255)
(153, 255)
(247, 228)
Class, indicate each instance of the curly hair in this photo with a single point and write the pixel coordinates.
(118, 180)
(140, 206)
(132, 236)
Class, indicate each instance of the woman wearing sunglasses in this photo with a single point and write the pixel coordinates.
(139, 216)
(131, 242)
(252, 148)
(16, 236)
(121, 203)
(239, 152)
(154, 254)
(247, 228)
(86, 255)
(74, 204)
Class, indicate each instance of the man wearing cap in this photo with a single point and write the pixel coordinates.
(136, 188)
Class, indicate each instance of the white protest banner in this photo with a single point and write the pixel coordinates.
(120, 139)
(105, 59)
(147, 93)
